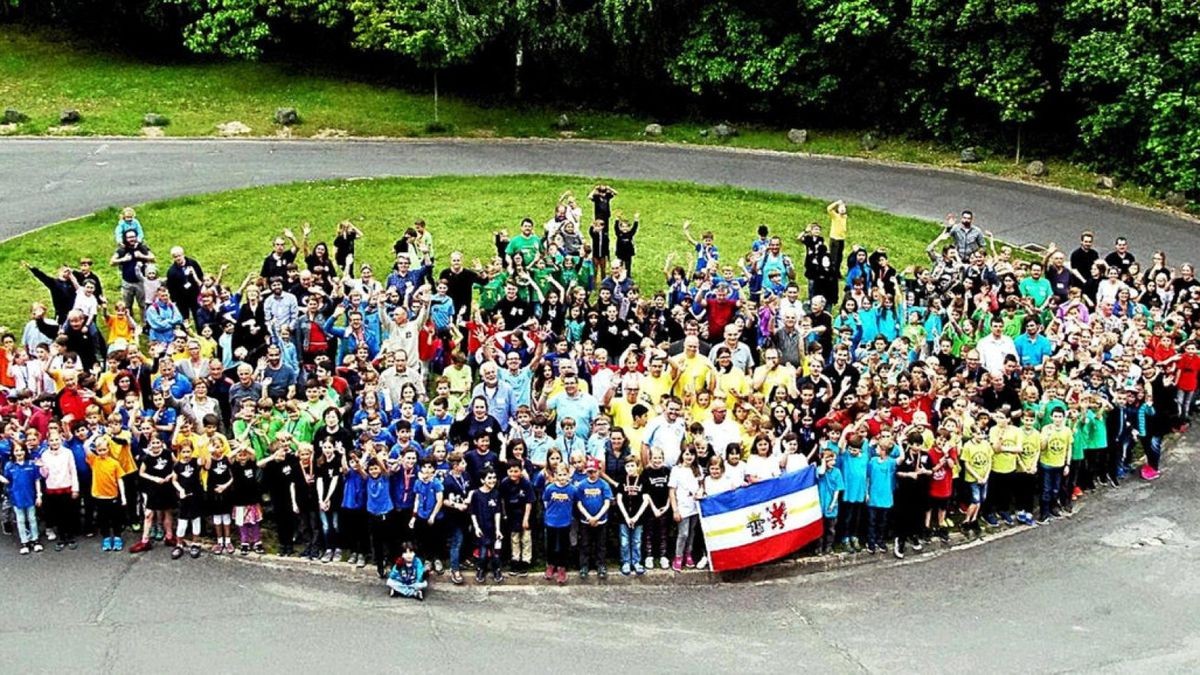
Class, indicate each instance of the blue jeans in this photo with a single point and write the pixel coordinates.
(329, 528)
(27, 524)
(877, 525)
(456, 542)
(1052, 478)
(1153, 447)
(631, 544)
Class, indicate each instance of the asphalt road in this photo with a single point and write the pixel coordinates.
(1114, 589)
(44, 181)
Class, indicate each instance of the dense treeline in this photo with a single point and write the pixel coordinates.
(1110, 82)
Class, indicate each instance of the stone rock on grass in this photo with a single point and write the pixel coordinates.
(155, 120)
(14, 116)
(234, 128)
(563, 123)
(869, 141)
(1036, 168)
(69, 116)
(6, 129)
(797, 136)
(1175, 199)
(968, 155)
(62, 130)
(1106, 183)
(287, 116)
(654, 130)
(723, 131)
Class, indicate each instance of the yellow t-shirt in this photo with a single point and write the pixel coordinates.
(782, 376)
(693, 375)
(122, 453)
(735, 381)
(622, 412)
(654, 388)
(837, 224)
(1005, 460)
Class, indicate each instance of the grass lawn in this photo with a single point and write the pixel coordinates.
(237, 227)
(41, 75)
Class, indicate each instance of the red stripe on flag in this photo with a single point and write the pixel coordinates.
(757, 552)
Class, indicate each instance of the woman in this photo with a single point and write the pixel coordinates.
(250, 328)
(477, 421)
(198, 404)
(321, 266)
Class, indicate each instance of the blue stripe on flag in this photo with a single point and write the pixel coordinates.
(758, 493)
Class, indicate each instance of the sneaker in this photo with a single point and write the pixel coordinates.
(259, 548)
(584, 572)
(626, 569)
(141, 546)
(229, 549)
(118, 542)
(51, 536)
(677, 564)
(194, 551)
(136, 527)
(328, 556)
(639, 569)
(479, 576)
(218, 548)
(117, 545)
(1076, 493)
(1044, 520)
(420, 596)
(59, 546)
(602, 572)
(362, 561)
(24, 550)
(438, 568)
(176, 553)
(992, 520)
(498, 577)
(855, 544)
(917, 544)
(663, 563)
(392, 593)
(456, 577)
(648, 563)
(1007, 518)
(871, 549)
(702, 563)
(562, 576)
(898, 552)
(549, 573)
(1149, 473)
(688, 562)
(38, 548)
(337, 554)
(245, 549)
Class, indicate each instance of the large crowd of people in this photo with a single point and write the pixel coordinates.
(543, 407)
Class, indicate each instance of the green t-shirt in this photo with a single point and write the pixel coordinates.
(491, 292)
(526, 247)
(1009, 440)
(1090, 435)
(1038, 290)
(1056, 446)
(977, 455)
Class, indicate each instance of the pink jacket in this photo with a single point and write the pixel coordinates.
(58, 468)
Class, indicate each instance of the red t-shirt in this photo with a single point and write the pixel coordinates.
(941, 483)
(720, 312)
(1188, 367)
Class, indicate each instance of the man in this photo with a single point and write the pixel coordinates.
(721, 430)
(720, 309)
(966, 237)
(775, 261)
(171, 382)
(405, 279)
(821, 322)
(994, 347)
(513, 309)
(355, 333)
(693, 372)
(1120, 257)
(788, 340)
(184, 279)
(62, 290)
(571, 403)
(460, 281)
(82, 338)
(280, 308)
(742, 358)
(1082, 260)
(278, 377)
(277, 261)
(500, 399)
(526, 244)
(842, 374)
(245, 389)
(665, 433)
(1032, 347)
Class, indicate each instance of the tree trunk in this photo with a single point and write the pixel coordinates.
(1017, 161)
(435, 95)
(518, 62)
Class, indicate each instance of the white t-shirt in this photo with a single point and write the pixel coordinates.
(761, 468)
(686, 486)
(666, 437)
(715, 486)
(736, 473)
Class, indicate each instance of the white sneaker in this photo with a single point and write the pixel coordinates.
(649, 563)
(50, 535)
(24, 550)
(664, 563)
(702, 564)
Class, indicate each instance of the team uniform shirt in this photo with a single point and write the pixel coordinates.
(829, 484)
(1056, 446)
(977, 455)
(558, 503)
(881, 482)
(426, 494)
(484, 506)
(592, 496)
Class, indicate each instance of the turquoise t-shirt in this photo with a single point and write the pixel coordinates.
(854, 474)
(829, 484)
(881, 482)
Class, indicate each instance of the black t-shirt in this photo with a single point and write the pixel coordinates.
(485, 506)
(654, 482)
(515, 312)
(602, 202)
(459, 286)
(187, 476)
(278, 478)
(326, 473)
(912, 488)
(277, 266)
(630, 494)
(245, 484)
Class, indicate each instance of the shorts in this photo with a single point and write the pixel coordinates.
(161, 498)
(939, 503)
(978, 493)
(191, 507)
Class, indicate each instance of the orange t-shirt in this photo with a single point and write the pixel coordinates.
(106, 473)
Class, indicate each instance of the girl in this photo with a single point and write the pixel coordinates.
(108, 491)
(329, 494)
(280, 472)
(911, 495)
(656, 480)
(353, 511)
(457, 487)
(304, 496)
(625, 249)
(829, 490)
(558, 501)
(186, 481)
(763, 464)
(25, 494)
(220, 480)
(156, 471)
(684, 488)
(632, 502)
(407, 577)
(852, 460)
(246, 499)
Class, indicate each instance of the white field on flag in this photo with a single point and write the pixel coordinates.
(752, 519)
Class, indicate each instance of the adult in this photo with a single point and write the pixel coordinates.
(185, 277)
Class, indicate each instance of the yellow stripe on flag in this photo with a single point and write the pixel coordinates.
(734, 529)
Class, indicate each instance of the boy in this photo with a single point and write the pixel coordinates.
(829, 489)
(881, 484)
(425, 522)
(516, 493)
(568, 443)
(538, 442)
(108, 491)
(1025, 488)
(1057, 439)
(593, 499)
(439, 419)
(485, 520)
(977, 468)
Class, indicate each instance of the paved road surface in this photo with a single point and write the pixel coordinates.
(46, 181)
(1113, 590)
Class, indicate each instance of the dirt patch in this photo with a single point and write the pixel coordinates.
(153, 132)
(234, 128)
(6, 129)
(64, 130)
(566, 134)
(326, 132)
(482, 133)
(283, 132)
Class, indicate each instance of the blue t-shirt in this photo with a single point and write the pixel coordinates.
(82, 468)
(22, 483)
(484, 506)
(854, 475)
(401, 486)
(829, 484)
(558, 503)
(593, 495)
(428, 493)
(583, 409)
(1033, 352)
(354, 491)
(881, 481)
(379, 496)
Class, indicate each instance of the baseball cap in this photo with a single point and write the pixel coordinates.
(592, 464)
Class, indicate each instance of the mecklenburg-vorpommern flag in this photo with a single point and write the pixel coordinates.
(762, 521)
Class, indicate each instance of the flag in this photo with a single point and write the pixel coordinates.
(762, 521)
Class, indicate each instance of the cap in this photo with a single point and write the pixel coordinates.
(592, 464)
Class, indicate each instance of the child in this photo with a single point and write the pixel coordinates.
(735, 470)
(426, 519)
(280, 473)
(656, 480)
(185, 479)
(61, 481)
(158, 492)
(407, 577)
(218, 500)
(516, 493)
(625, 249)
(246, 499)
(881, 484)
(328, 472)
(485, 519)
(829, 489)
(593, 500)
(943, 457)
(352, 516)
(108, 490)
(454, 501)
(977, 468)
(558, 500)
(1057, 439)
(1025, 486)
(25, 494)
(763, 464)
(379, 503)
(853, 463)
(684, 488)
(632, 501)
